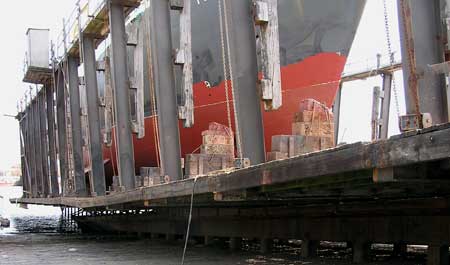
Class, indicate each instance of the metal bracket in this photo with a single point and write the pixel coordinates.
(183, 58)
(266, 18)
(412, 122)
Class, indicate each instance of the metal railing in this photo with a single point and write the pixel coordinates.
(84, 12)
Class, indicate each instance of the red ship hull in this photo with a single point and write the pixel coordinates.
(315, 77)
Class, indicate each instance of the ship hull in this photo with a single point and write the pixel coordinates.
(315, 39)
(316, 77)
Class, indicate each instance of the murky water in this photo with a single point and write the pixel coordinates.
(35, 238)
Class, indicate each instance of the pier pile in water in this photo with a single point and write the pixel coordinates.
(216, 151)
(4, 222)
(312, 130)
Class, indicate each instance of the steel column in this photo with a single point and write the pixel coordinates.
(420, 28)
(77, 139)
(62, 134)
(50, 100)
(165, 89)
(245, 71)
(43, 142)
(337, 112)
(24, 154)
(121, 85)
(37, 145)
(30, 148)
(385, 106)
(92, 98)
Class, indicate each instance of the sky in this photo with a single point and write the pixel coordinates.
(356, 97)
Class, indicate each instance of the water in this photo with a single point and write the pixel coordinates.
(35, 238)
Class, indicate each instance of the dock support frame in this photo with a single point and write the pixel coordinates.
(38, 146)
(121, 84)
(43, 142)
(245, 71)
(62, 134)
(166, 96)
(420, 24)
(92, 98)
(77, 140)
(53, 171)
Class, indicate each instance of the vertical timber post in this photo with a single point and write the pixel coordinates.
(385, 105)
(44, 143)
(245, 71)
(77, 140)
(420, 26)
(121, 85)
(61, 121)
(166, 96)
(49, 95)
(92, 98)
(375, 113)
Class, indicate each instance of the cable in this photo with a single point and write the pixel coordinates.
(189, 221)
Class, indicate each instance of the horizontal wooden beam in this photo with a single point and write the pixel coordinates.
(371, 73)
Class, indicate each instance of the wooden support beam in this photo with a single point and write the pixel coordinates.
(371, 72)
(183, 58)
(266, 18)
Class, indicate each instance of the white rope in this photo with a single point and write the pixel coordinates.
(189, 222)
(225, 72)
(152, 88)
(238, 135)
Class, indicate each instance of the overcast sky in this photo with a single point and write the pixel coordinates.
(357, 96)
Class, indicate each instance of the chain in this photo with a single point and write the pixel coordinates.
(391, 55)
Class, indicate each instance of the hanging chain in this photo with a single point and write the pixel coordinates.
(391, 55)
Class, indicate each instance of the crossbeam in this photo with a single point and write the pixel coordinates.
(371, 72)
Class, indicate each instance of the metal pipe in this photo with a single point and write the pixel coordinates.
(121, 85)
(77, 139)
(165, 89)
(95, 139)
(50, 100)
(420, 26)
(61, 127)
(245, 71)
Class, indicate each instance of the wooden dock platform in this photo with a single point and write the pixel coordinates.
(343, 172)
